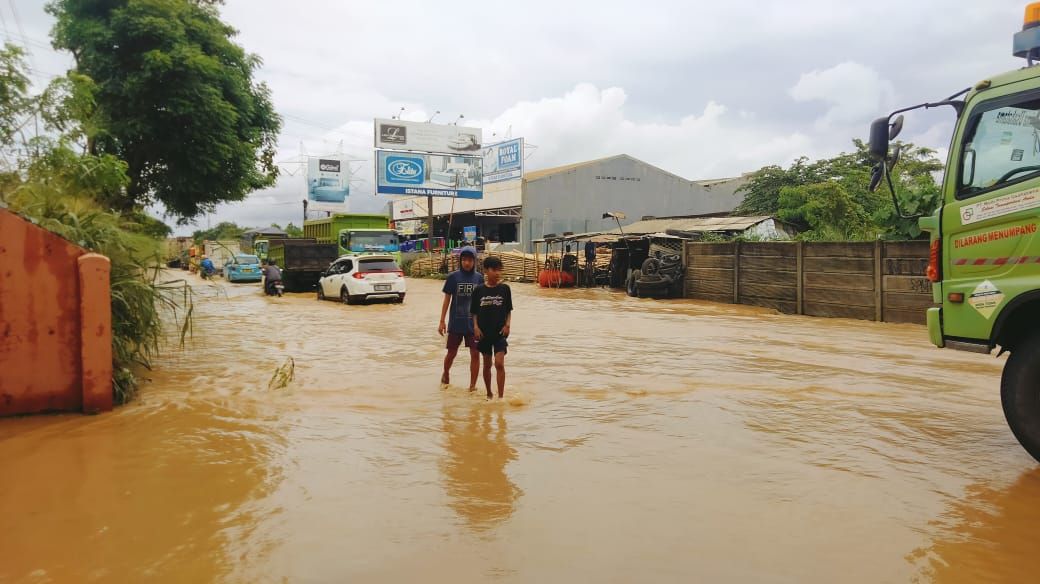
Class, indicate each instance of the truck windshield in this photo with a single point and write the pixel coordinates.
(362, 241)
(378, 265)
(1002, 145)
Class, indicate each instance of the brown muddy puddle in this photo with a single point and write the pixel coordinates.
(640, 440)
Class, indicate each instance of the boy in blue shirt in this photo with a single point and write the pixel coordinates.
(458, 291)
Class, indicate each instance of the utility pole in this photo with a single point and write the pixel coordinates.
(429, 235)
(304, 211)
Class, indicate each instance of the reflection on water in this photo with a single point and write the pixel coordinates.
(661, 441)
(132, 495)
(477, 451)
(992, 535)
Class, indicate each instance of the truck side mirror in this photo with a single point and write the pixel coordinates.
(879, 139)
(895, 127)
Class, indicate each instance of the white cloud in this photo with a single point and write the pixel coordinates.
(587, 122)
(855, 92)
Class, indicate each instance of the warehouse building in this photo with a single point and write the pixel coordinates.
(571, 198)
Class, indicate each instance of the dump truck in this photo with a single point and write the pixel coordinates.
(356, 233)
(984, 259)
(302, 260)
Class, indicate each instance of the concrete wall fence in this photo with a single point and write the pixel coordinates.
(55, 323)
(881, 281)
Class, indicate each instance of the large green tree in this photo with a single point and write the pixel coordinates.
(914, 178)
(171, 94)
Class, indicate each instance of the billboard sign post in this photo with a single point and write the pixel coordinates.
(430, 175)
(504, 161)
(426, 137)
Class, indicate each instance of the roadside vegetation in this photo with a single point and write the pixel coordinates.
(828, 199)
(85, 156)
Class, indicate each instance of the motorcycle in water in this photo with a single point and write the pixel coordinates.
(274, 288)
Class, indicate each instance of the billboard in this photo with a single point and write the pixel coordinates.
(431, 175)
(504, 161)
(425, 137)
(410, 227)
(328, 179)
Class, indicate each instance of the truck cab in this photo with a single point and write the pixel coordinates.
(260, 249)
(370, 241)
(984, 261)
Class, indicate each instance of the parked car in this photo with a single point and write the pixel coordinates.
(358, 278)
(243, 268)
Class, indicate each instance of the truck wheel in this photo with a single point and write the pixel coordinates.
(1020, 394)
(630, 285)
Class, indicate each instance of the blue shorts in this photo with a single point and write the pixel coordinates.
(489, 345)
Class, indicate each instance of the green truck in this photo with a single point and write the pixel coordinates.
(984, 261)
(356, 233)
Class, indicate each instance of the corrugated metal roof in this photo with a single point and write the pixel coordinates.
(537, 174)
(659, 227)
(693, 224)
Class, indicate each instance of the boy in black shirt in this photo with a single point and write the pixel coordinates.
(492, 310)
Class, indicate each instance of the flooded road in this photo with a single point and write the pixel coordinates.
(640, 440)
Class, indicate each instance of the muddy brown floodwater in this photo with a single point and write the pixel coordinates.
(641, 440)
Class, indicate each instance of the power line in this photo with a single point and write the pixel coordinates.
(21, 32)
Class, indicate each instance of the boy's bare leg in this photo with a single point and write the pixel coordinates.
(500, 370)
(474, 368)
(448, 360)
(487, 374)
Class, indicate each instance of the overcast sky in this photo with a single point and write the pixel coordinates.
(701, 89)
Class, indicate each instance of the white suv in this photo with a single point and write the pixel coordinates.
(356, 278)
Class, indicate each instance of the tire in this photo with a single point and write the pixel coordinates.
(1020, 394)
(399, 299)
(345, 296)
(630, 285)
(651, 266)
(676, 291)
(321, 293)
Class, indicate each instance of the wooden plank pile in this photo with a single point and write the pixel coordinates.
(516, 266)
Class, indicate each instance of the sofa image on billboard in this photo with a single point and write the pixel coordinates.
(328, 190)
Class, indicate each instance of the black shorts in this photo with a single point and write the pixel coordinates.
(488, 345)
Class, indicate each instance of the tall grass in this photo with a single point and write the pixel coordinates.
(138, 296)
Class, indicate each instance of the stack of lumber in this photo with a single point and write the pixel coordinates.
(516, 266)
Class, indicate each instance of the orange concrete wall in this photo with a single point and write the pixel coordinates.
(43, 310)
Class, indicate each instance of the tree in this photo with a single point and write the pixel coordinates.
(293, 230)
(222, 230)
(14, 93)
(913, 177)
(824, 211)
(174, 97)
